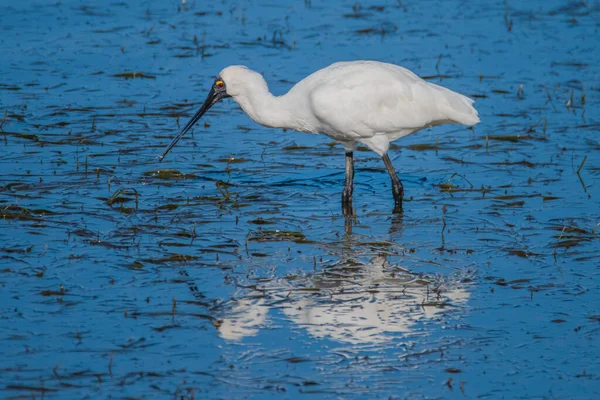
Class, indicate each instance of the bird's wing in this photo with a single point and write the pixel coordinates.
(362, 105)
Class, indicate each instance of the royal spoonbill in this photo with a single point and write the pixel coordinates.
(366, 102)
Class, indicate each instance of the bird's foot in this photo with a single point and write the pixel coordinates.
(398, 192)
(347, 200)
(347, 210)
(346, 196)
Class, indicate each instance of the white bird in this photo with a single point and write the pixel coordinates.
(366, 102)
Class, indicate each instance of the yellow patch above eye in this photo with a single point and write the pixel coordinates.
(220, 83)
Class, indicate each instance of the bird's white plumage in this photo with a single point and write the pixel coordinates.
(369, 102)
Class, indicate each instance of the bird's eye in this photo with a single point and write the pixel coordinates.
(220, 84)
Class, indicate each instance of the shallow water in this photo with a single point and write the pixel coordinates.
(228, 271)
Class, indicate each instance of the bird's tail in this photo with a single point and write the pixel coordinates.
(459, 108)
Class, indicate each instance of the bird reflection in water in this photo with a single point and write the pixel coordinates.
(348, 301)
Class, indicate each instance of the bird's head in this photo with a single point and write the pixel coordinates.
(241, 81)
(234, 81)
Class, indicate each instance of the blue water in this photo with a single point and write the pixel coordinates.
(233, 274)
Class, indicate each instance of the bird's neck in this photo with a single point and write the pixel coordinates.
(268, 110)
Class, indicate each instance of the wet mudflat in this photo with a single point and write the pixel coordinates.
(228, 271)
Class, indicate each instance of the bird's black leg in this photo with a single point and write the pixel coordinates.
(397, 188)
(348, 186)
